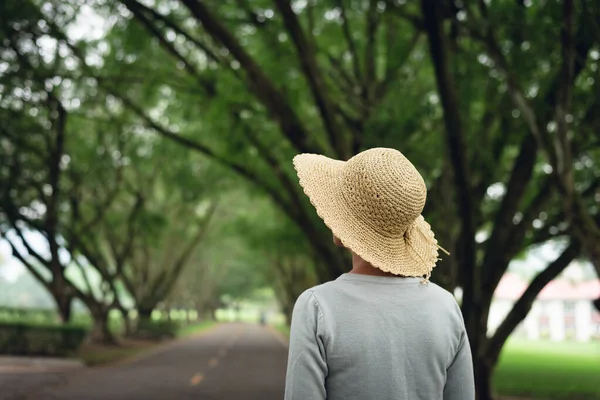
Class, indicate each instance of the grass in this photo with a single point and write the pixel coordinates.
(284, 329)
(94, 355)
(195, 328)
(549, 370)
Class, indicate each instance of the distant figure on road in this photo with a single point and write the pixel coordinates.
(381, 331)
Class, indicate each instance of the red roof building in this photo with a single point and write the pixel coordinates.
(511, 287)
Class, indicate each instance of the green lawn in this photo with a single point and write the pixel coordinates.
(549, 370)
(284, 329)
(195, 328)
(98, 355)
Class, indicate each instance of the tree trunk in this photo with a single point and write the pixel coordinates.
(208, 309)
(144, 322)
(237, 312)
(144, 314)
(484, 369)
(101, 332)
(200, 312)
(64, 305)
(128, 331)
(287, 312)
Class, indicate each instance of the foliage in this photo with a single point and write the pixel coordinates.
(89, 183)
(31, 315)
(236, 258)
(157, 329)
(35, 339)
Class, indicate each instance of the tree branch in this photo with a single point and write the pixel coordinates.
(415, 20)
(16, 253)
(582, 45)
(562, 144)
(495, 260)
(371, 25)
(308, 61)
(514, 89)
(346, 29)
(518, 231)
(177, 29)
(432, 13)
(392, 69)
(237, 167)
(100, 208)
(138, 11)
(289, 187)
(525, 302)
(257, 80)
(121, 256)
(56, 151)
(345, 82)
(30, 250)
(86, 279)
(180, 263)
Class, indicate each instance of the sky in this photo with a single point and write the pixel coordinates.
(11, 267)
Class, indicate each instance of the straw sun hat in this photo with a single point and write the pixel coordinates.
(373, 204)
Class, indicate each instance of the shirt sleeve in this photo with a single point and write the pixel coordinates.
(460, 381)
(307, 366)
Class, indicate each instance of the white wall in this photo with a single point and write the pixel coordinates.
(555, 312)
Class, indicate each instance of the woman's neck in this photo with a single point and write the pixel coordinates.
(362, 267)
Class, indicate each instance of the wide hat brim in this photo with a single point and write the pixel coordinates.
(412, 254)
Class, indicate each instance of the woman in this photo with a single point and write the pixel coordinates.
(381, 331)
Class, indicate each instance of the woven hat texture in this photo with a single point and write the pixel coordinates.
(373, 204)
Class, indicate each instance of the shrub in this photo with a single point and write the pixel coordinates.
(39, 315)
(41, 340)
(156, 330)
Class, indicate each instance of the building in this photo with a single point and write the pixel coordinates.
(562, 311)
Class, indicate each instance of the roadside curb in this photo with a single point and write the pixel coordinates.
(17, 364)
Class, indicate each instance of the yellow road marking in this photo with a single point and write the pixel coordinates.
(213, 362)
(196, 379)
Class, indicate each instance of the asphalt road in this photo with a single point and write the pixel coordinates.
(230, 361)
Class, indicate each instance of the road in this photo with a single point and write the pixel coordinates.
(230, 361)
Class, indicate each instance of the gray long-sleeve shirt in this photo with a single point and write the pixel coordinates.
(366, 337)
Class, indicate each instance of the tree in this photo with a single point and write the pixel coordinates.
(158, 259)
(505, 240)
(275, 251)
(553, 128)
(249, 84)
(33, 139)
(98, 197)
